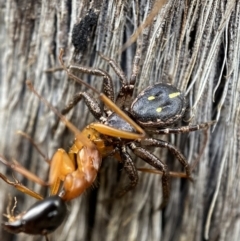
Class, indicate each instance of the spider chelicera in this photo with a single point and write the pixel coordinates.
(154, 109)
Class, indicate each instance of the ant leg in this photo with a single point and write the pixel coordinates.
(157, 163)
(20, 187)
(84, 140)
(184, 129)
(25, 135)
(22, 170)
(10, 211)
(107, 80)
(61, 166)
(172, 149)
(91, 103)
(155, 171)
(131, 171)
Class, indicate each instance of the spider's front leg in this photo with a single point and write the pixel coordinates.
(107, 80)
(157, 163)
(126, 89)
(91, 103)
(124, 97)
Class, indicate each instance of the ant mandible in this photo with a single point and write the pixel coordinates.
(97, 140)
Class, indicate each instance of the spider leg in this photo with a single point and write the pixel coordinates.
(136, 63)
(157, 163)
(184, 129)
(107, 80)
(116, 69)
(91, 103)
(172, 149)
(126, 92)
(126, 89)
(130, 169)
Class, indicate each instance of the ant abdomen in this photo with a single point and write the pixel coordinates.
(41, 218)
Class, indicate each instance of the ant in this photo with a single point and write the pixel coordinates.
(119, 127)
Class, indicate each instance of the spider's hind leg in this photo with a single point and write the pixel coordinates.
(172, 149)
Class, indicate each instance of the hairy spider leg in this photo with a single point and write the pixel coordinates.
(157, 163)
(130, 169)
(183, 129)
(124, 97)
(171, 148)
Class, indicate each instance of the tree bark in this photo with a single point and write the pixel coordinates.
(193, 45)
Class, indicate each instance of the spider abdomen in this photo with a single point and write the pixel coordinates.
(158, 105)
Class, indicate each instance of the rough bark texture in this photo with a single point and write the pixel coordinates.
(192, 44)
